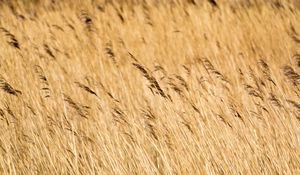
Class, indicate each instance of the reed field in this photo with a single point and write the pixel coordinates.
(150, 87)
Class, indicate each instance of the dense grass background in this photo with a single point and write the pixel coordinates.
(140, 87)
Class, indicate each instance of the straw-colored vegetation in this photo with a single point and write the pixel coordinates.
(149, 87)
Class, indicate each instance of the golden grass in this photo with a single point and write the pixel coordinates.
(185, 87)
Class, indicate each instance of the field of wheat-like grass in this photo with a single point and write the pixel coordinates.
(149, 87)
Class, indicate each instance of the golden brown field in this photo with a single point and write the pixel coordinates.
(149, 87)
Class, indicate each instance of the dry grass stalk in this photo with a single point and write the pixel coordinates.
(153, 84)
(46, 92)
(86, 88)
(264, 67)
(292, 76)
(11, 39)
(80, 109)
(6, 87)
(206, 105)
